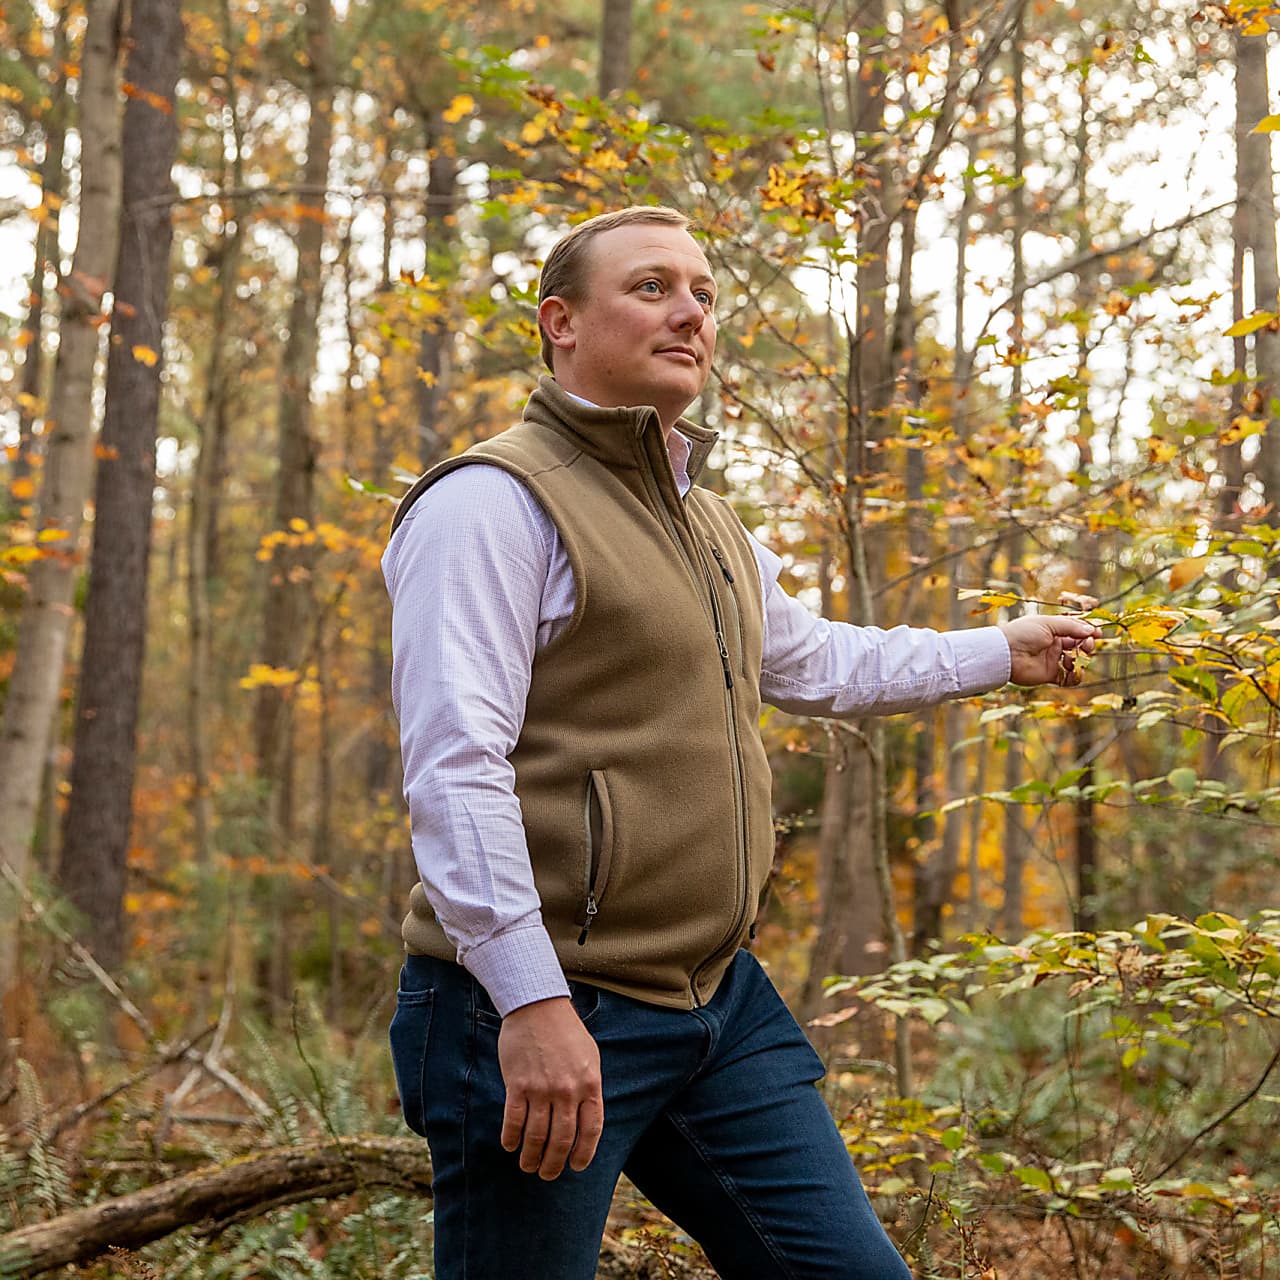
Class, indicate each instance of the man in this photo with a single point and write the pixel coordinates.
(582, 640)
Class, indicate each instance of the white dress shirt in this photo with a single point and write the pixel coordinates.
(479, 583)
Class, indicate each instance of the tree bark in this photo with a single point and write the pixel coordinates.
(615, 46)
(1257, 217)
(286, 626)
(202, 520)
(433, 343)
(99, 816)
(217, 1197)
(288, 595)
(31, 703)
(52, 182)
(1017, 839)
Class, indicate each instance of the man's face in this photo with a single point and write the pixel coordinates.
(643, 332)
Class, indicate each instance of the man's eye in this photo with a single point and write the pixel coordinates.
(705, 298)
(651, 286)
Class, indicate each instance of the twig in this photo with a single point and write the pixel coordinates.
(1226, 1115)
(78, 1113)
(130, 1010)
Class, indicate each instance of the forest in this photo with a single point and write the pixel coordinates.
(999, 333)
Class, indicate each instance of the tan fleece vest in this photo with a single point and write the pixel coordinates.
(642, 780)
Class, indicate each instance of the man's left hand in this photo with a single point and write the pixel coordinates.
(1043, 650)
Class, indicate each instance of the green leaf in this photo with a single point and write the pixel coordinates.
(1030, 1176)
(1183, 780)
(953, 1138)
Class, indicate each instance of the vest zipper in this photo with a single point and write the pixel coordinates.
(733, 600)
(739, 787)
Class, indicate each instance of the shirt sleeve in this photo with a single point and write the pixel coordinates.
(813, 666)
(466, 571)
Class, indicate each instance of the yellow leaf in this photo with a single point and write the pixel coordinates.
(532, 131)
(1250, 324)
(1256, 26)
(298, 525)
(463, 105)
(426, 376)
(52, 535)
(145, 355)
(21, 555)
(1268, 124)
(260, 674)
(1151, 630)
(1241, 427)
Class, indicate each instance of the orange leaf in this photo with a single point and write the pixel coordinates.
(1186, 571)
(145, 355)
(23, 487)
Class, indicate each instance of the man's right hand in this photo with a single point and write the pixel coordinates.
(555, 1106)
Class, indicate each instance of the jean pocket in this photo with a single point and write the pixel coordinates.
(586, 1000)
(410, 1031)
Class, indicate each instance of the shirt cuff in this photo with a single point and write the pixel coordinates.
(982, 660)
(517, 968)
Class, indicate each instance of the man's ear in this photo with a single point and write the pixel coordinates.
(555, 316)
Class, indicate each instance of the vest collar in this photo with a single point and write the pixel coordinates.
(613, 436)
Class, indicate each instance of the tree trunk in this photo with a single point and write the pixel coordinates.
(1017, 839)
(615, 46)
(215, 1198)
(1083, 816)
(288, 595)
(288, 605)
(100, 813)
(203, 515)
(52, 182)
(1257, 193)
(31, 703)
(433, 343)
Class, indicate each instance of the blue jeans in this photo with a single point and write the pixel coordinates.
(712, 1113)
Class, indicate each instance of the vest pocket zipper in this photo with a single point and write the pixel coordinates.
(597, 821)
(733, 597)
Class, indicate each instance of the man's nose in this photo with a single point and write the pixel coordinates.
(687, 312)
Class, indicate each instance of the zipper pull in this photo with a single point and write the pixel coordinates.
(592, 912)
(724, 568)
(724, 660)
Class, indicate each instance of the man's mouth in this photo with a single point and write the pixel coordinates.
(679, 351)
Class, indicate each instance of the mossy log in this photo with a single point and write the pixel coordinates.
(216, 1197)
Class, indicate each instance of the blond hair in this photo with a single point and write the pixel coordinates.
(564, 274)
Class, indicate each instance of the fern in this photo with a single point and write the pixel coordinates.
(47, 1182)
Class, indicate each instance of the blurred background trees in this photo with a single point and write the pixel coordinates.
(998, 332)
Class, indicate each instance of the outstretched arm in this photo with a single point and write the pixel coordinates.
(1043, 650)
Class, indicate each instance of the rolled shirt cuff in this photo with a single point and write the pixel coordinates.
(517, 968)
(982, 659)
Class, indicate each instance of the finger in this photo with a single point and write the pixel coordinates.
(513, 1118)
(536, 1126)
(1067, 626)
(590, 1127)
(564, 1129)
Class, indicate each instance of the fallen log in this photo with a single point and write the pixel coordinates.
(216, 1197)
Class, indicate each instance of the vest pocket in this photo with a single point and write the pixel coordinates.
(597, 821)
